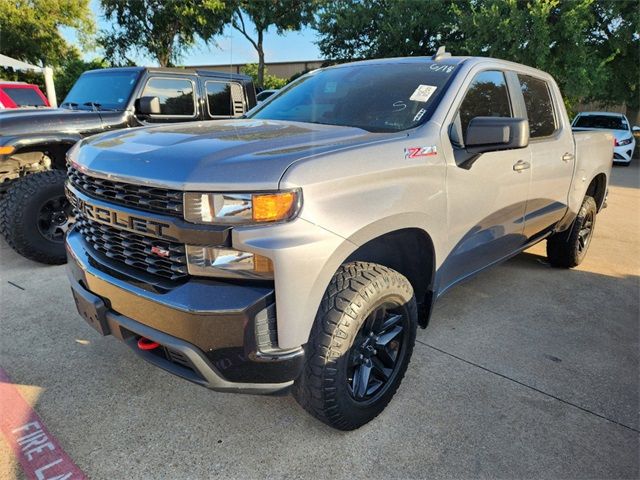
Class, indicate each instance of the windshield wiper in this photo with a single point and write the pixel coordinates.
(70, 104)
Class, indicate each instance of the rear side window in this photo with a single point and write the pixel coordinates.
(487, 97)
(537, 100)
(175, 95)
(225, 99)
(24, 97)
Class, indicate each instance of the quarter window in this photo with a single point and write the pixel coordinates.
(224, 99)
(175, 95)
(487, 97)
(537, 100)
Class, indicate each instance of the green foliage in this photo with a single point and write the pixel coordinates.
(382, 28)
(283, 15)
(271, 82)
(30, 29)
(591, 47)
(161, 29)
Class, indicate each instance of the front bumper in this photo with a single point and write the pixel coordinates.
(623, 153)
(218, 334)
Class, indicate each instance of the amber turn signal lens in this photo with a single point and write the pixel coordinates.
(273, 207)
(6, 150)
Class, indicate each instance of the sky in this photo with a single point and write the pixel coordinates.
(230, 47)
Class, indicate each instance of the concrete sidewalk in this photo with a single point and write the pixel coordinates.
(524, 372)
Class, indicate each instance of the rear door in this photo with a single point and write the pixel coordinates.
(487, 198)
(177, 96)
(552, 155)
(224, 99)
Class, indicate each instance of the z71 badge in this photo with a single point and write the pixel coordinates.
(416, 152)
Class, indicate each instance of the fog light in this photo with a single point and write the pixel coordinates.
(227, 262)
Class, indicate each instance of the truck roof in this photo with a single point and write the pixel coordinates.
(450, 60)
(176, 70)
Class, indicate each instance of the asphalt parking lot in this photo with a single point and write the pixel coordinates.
(524, 372)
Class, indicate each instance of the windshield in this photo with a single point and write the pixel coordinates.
(386, 97)
(24, 97)
(607, 122)
(108, 90)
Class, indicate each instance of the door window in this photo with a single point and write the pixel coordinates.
(537, 100)
(175, 94)
(487, 96)
(225, 99)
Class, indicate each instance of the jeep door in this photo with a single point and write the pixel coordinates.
(223, 98)
(486, 194)
(177, 97)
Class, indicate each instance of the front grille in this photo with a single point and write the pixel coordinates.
(134, 250)
(150, 199)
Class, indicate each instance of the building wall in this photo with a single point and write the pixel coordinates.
(279, 69)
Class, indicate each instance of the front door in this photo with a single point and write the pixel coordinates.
(486, 197)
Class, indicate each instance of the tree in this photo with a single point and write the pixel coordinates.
(284, 15)
(591, 47)
(161, 29)
(616, 40)
(270, 82)
(30, 29)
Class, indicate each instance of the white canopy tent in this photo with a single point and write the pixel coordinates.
(46, 71)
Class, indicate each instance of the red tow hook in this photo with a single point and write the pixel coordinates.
(146, 344)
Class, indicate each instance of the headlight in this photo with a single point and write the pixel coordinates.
(227, 262)
(241, 209)
(626, 141)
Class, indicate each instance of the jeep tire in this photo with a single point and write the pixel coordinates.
(359, 347)
(35, 215)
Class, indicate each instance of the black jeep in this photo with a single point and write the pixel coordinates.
(34, 213)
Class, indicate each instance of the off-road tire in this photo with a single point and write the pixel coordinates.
(563, 248)
(356, 290)
(19, 209)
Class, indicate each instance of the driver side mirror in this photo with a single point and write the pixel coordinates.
(492, 134)
(636, 129)
(148, 106)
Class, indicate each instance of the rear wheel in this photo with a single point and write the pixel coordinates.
(568, 249)
(35, 216)
(359, 347)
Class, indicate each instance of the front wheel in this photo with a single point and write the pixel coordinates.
(35, 215)
(568, 249)
(360, 345)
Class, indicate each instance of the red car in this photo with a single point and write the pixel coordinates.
(21, 95)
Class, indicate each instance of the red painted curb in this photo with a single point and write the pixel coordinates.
(37, 450)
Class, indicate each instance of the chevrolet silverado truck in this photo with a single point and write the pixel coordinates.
(34, 212)
(299, 249)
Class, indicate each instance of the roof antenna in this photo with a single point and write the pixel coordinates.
(441, 53)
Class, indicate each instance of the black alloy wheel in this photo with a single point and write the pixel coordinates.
(377, 351)
(585, 233)
(54, 218)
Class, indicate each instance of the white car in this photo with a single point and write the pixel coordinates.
(617, 124)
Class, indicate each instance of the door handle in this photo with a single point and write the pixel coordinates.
(521, 165)
(567, 157)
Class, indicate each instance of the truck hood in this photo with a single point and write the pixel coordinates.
(215, 155)
(16, 122)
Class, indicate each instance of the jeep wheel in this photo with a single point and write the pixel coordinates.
(568, 249)
(35, 216)
(359, 347)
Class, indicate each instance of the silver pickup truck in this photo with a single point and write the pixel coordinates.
(299, 248)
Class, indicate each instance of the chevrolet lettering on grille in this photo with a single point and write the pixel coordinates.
(119, 219)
